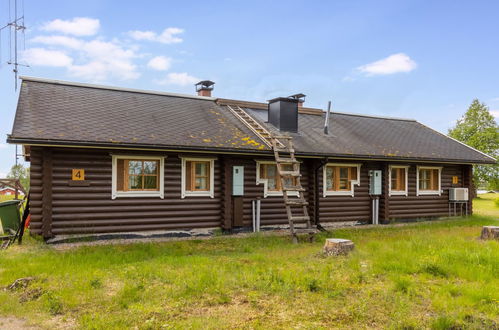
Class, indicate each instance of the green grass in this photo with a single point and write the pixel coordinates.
(485, 204)
(424, 275)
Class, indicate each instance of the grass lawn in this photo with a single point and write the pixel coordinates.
(432, 275)
(484, 205)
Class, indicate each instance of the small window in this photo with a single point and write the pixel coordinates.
(137, 176)
(269, 176)
(429, 180)
(340, 179)
(398, 180)
(197, 177)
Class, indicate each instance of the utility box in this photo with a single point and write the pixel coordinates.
(238, 181)
(458, 194)
(374, 182)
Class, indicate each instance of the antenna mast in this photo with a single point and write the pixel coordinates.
(14, 26)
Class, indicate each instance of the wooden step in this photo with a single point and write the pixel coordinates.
(305, 231)
(293, 188)
(300, 218)
(287, 160)
(298, 202)
(286, 150)
(284, 137)
(290, 173)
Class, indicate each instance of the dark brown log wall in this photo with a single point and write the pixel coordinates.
(80, 209)
(413, 207)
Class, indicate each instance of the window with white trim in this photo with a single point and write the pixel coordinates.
(428, 180)
(137, 176)
(267, 174)
(198, 177)
(340, 179)
(398, 181)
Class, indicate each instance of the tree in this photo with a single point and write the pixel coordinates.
(21, 173)
(478, 129)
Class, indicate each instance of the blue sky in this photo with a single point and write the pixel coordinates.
(418, 59)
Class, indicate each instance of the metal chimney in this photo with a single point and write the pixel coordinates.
(204, 88)
(283, 113)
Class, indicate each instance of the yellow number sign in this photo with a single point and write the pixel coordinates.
(455, 180)
(78, 174)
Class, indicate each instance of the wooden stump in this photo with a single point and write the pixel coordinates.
(337, 246)
(490, 232)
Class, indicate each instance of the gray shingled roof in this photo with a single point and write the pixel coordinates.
(70, 113)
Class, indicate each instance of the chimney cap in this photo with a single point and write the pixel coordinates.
(300, 97)
(204, 85)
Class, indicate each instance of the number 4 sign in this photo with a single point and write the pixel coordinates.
(78, 174)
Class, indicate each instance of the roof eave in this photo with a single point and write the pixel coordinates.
(83, 144)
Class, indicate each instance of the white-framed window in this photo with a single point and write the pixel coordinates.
(398, 180)
(428, 180)
(267, 174)
(340, 179)
(198, 177)
(137, 176)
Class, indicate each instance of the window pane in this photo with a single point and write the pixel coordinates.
(344, 173)
(135, 182)
(120, 175)
(134, 167)
(271, 170)
(150, 167)
(329, 178)
(402, 179)
(150, 182)
(344, 184)
(201, 169)
(200, 184)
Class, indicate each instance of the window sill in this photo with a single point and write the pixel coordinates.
(397, 193)
(339, 193)
(132, 194)
(280, 194)
(429, 192)
(198, 194)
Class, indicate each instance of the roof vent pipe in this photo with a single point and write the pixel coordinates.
(326, 122)
(204, 88)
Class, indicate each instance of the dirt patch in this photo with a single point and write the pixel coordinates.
(13, 323)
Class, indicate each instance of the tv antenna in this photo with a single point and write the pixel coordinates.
(14, 26)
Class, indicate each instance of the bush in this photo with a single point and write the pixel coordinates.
(496, 201)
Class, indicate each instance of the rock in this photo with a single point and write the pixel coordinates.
(337, 246)
(20, 283)
(490, 232)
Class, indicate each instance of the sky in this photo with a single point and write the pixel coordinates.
(425, 60)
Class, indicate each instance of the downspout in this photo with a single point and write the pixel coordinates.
(316, 193)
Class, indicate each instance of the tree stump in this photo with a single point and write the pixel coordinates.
(490, 232)
(337, 246)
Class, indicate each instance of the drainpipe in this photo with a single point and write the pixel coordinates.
(317, 192)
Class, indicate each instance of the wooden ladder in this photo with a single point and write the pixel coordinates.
(291, 184)
(287, 159)
(253, 125)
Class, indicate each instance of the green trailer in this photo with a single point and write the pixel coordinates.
(10, 219)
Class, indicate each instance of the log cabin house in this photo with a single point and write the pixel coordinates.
(107, 159)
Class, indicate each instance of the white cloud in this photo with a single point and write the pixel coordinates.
(98, 60)
(392, 64)
(168, 36)
(4, 145)
(45, 57)
(181, 79)
(495, 113)
(78, 26)
(64, 41)
(160, 63)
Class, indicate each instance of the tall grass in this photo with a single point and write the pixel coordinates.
(419, 275)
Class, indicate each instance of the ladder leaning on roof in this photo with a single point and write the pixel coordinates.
(289, 172)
